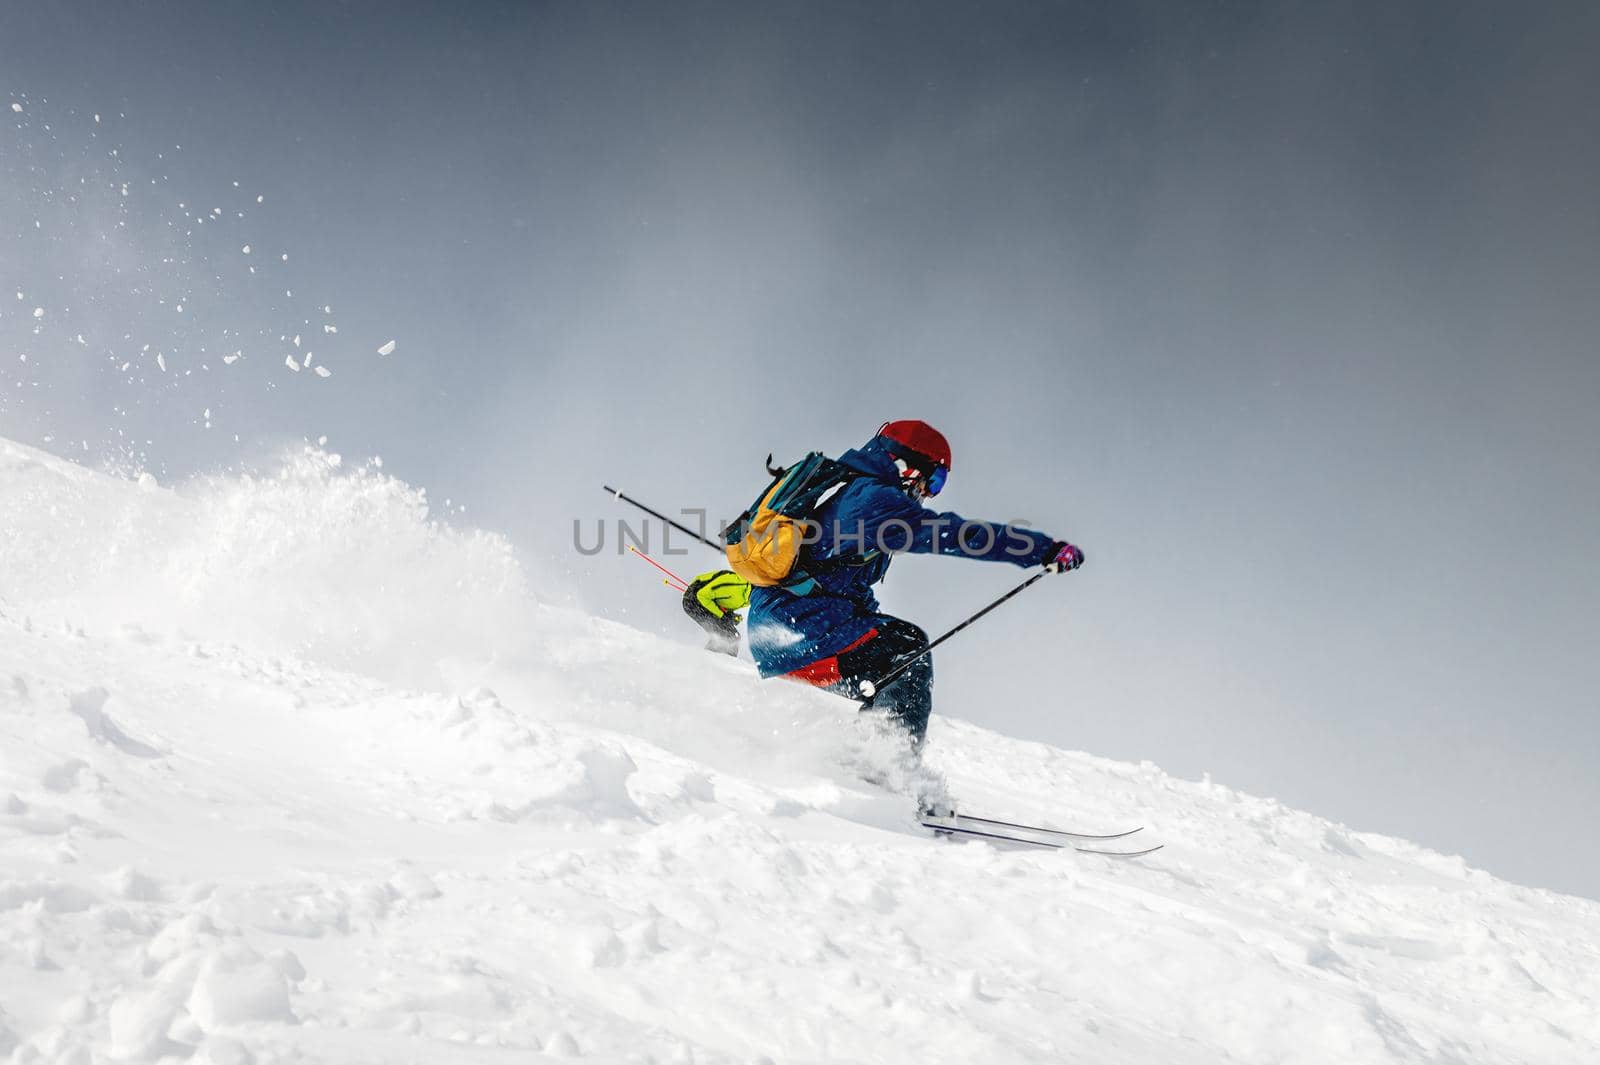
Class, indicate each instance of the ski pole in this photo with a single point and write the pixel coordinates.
(870, 688)
(657, 514)
(676, 581)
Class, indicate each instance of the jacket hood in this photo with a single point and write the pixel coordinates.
(874, 460)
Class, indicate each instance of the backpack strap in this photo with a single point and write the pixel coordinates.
(803, 581)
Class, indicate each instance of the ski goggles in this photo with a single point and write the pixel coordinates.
(936, 479)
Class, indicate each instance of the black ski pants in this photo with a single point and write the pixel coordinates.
(908, 698)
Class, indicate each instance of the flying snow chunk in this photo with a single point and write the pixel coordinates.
(229, 360)
(284, 256)
(245, 249)
(297, 340)
(288, 360)
(17, 108)
(387, 349)
(323, 371)
(38, 312)
(161, 361)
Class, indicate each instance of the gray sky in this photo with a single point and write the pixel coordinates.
(1285, 312)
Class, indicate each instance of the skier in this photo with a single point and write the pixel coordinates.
(827, 629)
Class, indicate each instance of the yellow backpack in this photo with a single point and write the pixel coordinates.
(763, 544)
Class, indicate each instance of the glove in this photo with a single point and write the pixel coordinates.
(711, 600)
(1061, 557)
(719, 591)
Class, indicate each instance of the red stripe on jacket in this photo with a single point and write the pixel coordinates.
(825, 671)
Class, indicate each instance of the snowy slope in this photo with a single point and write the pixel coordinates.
(288, 773)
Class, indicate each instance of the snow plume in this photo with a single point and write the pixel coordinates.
(143, 272)
(334, 563)
(341, 565)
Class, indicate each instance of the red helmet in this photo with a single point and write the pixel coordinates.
(922, 454)
(920, 438)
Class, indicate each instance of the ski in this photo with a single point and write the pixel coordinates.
(941, 828)
(1120, 854)
(1046, 831)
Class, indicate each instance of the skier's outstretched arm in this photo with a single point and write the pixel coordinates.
(899, 523)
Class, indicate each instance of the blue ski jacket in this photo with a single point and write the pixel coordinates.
(862, 526)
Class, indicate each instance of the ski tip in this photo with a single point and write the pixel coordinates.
(1120, 854)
